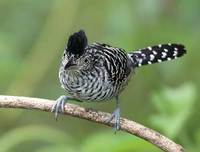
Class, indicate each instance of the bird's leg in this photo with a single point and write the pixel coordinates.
(59, 106)
(116, 116)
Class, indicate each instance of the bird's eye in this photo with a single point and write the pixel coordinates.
(86, 60)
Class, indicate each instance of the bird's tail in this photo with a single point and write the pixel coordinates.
(156, 54)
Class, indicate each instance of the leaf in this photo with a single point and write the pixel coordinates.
(175, 107)
(32, 133)
(57, 148)
(109, 142)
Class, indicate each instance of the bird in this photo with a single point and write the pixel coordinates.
(99, 72)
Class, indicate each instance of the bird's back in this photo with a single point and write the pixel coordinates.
(115, 62)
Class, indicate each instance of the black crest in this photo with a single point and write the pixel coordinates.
(77, 43)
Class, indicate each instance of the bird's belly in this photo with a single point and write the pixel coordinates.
(88, 87)
(94, 91)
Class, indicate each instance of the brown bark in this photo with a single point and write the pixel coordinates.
(129, 126)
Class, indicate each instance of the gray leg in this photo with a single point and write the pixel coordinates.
(59, 106)
(116, 116)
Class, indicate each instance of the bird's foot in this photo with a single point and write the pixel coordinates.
(116, 116)
(59, 106)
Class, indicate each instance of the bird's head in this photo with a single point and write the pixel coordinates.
(75, 55)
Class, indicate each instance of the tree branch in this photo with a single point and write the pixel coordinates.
(129, 126)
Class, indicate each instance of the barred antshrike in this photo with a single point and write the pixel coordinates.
(99, 72)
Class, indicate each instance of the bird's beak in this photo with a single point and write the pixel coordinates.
(70, 63)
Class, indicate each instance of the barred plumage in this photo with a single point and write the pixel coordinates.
(99, 72)
(156, 54)
(102, 79)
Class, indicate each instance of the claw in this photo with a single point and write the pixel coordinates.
(116, 116)
(59, 106)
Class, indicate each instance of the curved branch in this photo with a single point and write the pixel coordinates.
(129, 126)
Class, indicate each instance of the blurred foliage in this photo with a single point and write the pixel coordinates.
(174, 106)
(122, 143)
(163, 96)
(23, 135)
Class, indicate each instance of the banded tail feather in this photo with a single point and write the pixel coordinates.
(156, 54)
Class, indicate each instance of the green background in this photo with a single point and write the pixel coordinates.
(163, 96)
